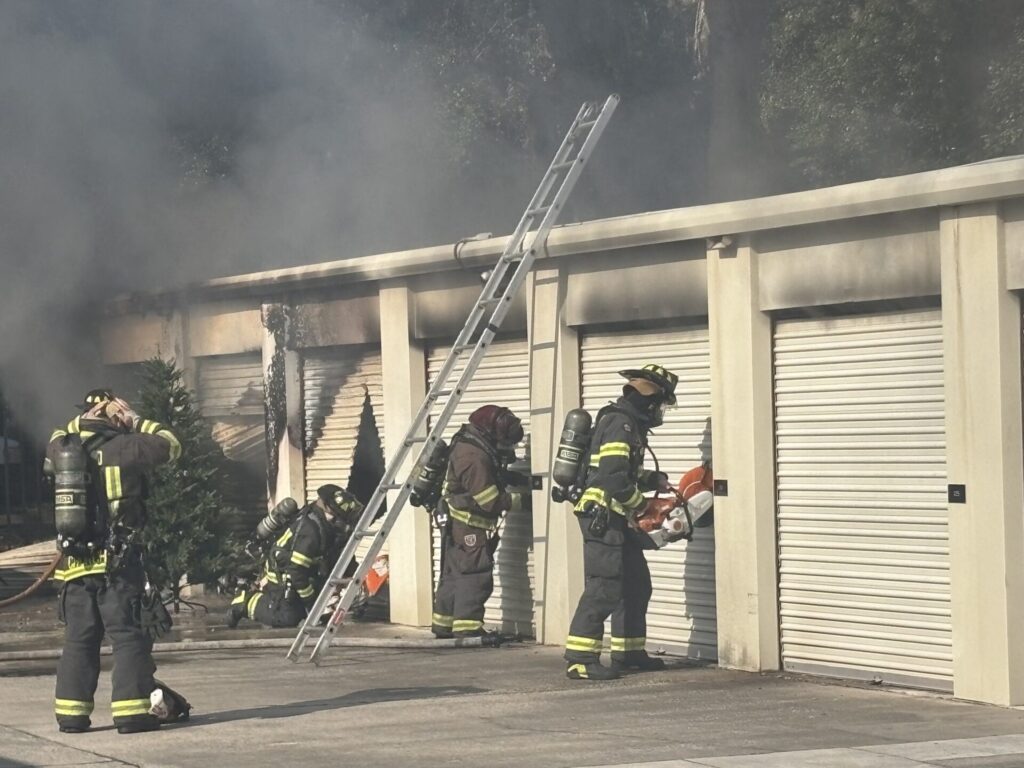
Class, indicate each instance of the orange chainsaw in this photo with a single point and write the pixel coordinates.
(671, 518)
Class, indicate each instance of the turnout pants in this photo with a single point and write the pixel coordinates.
(89, 606)
(275, 606)
(467, 580)
(617, 583)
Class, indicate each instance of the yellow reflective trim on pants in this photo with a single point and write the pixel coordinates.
(466, 625)
(129, 707)
(628, 643)
(441, 620)
(240, 599)
(72, 707)
(271, 577)
(585, 644)
(300, 559)
(253, 602)
(285, 537)
(487, 495)
(579, 669)
(614, 449)
(307, 592)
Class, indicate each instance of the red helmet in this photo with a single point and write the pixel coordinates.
(499, 423)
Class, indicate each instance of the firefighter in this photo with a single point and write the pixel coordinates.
(476, 495)
(289, 583)
(103, 588)
(617, 581)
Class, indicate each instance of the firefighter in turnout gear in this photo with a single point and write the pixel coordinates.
(476, 496)
(104, 584)
(290, 580)
(617, 581)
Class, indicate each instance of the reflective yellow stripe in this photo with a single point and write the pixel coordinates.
(239, 599)
(74, 424)
(635, 500)
(271, 577)
(470, 519)
(57, 433)
(74, 568)
(441, 620)
(300, 559)
(284, 537)
(628, 643)
(129, 707)
(72, 707)
(307, 592)
(487, 495)
(253, 601)
(113, 478)
(597, 496)
(586, 644)
(579, 669)
(175, 446)
(466, 625)
(614, 449)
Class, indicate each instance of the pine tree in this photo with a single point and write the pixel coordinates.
(186, 534)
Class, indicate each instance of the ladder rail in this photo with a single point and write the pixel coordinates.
(501, 286)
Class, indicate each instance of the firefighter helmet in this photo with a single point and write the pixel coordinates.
(661, 377)
(340, 503)
(96, 396)
(499, 423)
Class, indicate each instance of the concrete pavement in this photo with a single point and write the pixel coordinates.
(510, 706)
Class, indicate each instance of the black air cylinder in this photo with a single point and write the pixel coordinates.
(70, 489)
(277, 519)
(572, 448)
(426, 489)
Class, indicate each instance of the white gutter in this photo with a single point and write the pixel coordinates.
(992, 179)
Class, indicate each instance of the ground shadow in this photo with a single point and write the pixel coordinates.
(353, 699)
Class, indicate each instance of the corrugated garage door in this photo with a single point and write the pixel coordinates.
(681, 616)
(335, 385)
(231, 398)
(502, 378)
(862, 515)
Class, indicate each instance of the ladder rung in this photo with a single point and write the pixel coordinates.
(340, 582)
(563, 166)
(364, 534)
(538, 211)
(392, 486)
(494, 301)
(586, 125)
(440, 393)
(413, 440)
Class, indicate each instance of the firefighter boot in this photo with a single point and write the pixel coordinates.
(236, 611)
(638, 660)
(592, 671)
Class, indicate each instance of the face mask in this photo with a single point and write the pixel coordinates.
(658, 414)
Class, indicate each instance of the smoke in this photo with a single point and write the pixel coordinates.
(148, 144)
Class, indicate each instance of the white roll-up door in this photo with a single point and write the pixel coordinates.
(336, 383)
(503, 378)
(682, 616)
(230, 392)
(862, 515)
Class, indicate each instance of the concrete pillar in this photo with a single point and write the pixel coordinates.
(284, 390)
(981, 338)
(174, 345)
(404, 365)
(746, 569)
(554, 390)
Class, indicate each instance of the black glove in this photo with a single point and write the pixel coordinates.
(154, 619)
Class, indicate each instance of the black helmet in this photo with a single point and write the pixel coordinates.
(663, 378)
(345, 507)
(95, 397)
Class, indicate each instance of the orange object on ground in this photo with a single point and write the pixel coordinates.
(377, 576)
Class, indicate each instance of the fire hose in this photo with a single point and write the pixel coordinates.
(50, 569)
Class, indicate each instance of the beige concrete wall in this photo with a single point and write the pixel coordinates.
(1013, 241)
(137, 337)
(868, 259)
(746, 567)
(554, 390)
(404, 365)
(981, 336)
(442, 303)
(338, 321)
(224, 328)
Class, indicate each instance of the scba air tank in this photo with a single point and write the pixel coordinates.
(570, 454)
(71, 490)
(277, 519)
(426, 488)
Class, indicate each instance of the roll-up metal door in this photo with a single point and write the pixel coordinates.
(682, 616)
(502, 378)
(336, 383)
(231, 398)
(862, 516)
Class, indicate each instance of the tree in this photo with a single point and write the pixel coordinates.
(186, 535)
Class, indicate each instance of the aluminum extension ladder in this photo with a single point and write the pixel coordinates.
(495, 300)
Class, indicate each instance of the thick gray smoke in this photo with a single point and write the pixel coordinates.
(146, 143)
